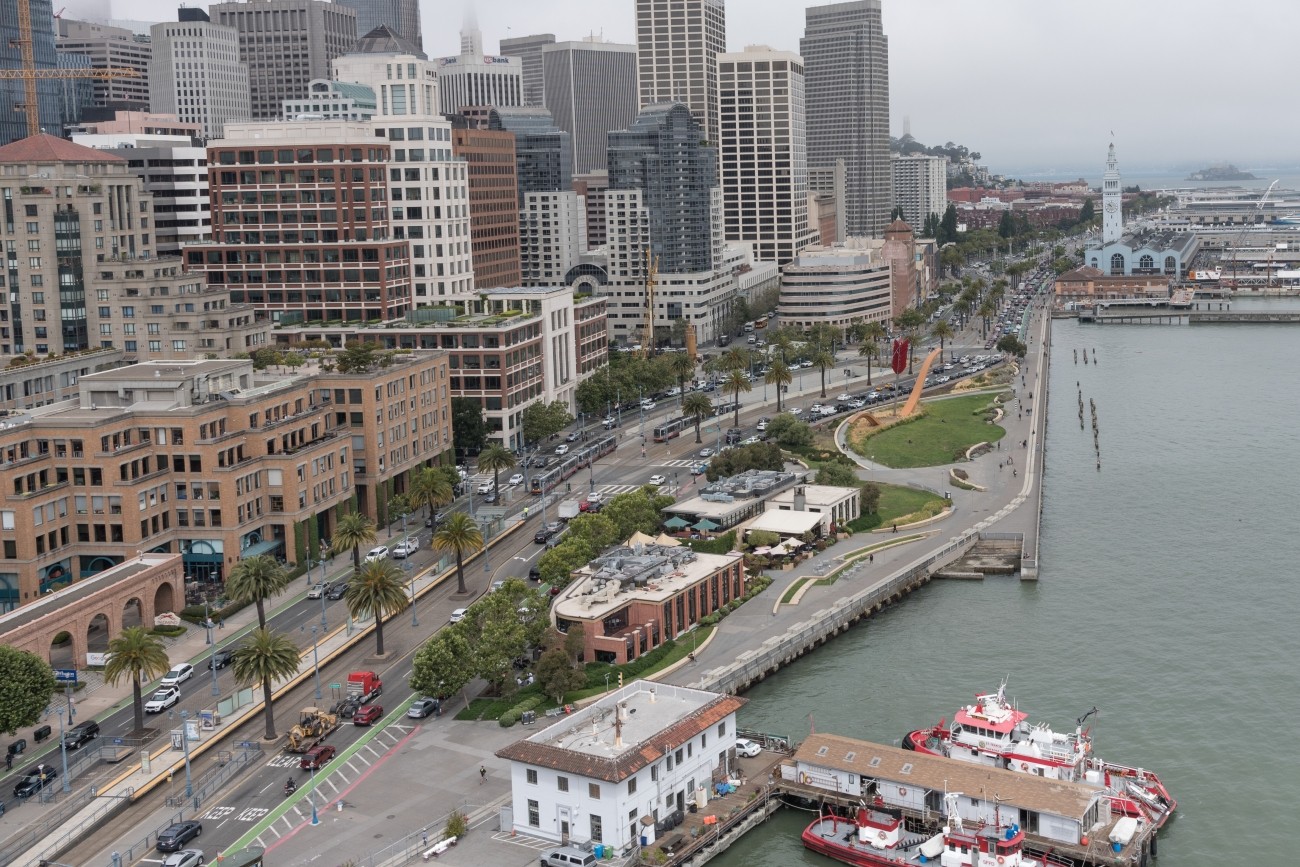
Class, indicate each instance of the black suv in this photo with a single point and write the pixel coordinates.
(80, 734)
(34, 780)
(175, 837)
(220, 659)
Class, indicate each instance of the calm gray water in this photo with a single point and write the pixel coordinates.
(1168, 596)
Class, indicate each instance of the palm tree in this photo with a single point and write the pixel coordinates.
(263, 658)
(943, 331)
(962, 307)
(780, 339)
(736, 383)
(873, 334)
(353, 531)
(494, 459)
(779, 375)
(461, 536)
(136, 654)
(430, 489)
(682, 366)
(697, 406)
(735, 358)
(379, 589)
(256, 579)
(823, 358)
(986, 309)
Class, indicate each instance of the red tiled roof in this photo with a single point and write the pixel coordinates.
(617, 769)
(46, 148)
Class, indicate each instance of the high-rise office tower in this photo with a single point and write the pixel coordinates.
(677, 48)
(196, 74)
(764, 164)
(400, 16)
(286, 43)
(529, 51)
(920, 187)
(473, 78)
(489, 157)
(110, 47)
(429, 202)
(49, 99)
(590, 89)
(846, 69)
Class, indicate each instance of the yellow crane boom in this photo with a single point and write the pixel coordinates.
(651, 272)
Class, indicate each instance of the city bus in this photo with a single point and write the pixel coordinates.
(760, 322)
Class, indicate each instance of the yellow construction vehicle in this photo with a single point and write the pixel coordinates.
(314, 725)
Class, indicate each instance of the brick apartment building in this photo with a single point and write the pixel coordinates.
(492, 179)
(209, 459)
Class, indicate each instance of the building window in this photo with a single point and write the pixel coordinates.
(631, 786)
(534, 814)
(597, 832)
(722, 729)
(562, 783)
(531, 774)
(593, 791)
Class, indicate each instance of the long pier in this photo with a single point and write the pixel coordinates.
(1155, 316)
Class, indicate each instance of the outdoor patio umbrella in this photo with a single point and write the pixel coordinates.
(705, 525)
(676, 523)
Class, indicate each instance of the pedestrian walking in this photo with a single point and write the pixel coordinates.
(424, 839)
(895, 530)
(221, 623)
(871, 558)
(9, 761)
(482, 774)
(642, 452)
(1014, 473)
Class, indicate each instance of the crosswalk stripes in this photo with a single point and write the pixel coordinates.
(682, 463)
(613, 490)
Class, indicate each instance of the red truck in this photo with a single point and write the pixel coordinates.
(364, 686)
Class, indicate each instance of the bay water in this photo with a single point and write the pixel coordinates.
(1168, 596)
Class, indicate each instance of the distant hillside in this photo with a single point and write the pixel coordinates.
(955, 152)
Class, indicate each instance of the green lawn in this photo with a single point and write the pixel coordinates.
(941, 436)
(897, 502)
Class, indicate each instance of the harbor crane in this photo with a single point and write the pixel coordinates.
(1246, 227)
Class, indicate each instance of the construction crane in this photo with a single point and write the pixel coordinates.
(29, 74)
(1247, 225)
(651, 272)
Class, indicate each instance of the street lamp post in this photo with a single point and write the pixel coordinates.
(185, 744)
(212, 666)
(315, 659)
(315, 818)
(323, 576)
(207, 621)
(406, 566)
(63, 752)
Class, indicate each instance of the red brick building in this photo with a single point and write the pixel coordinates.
(493, 204)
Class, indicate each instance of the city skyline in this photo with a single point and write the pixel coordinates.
(1094, 68)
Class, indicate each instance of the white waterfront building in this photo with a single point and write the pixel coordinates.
(640, 753)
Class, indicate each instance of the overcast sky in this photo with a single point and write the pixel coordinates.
(1034, 85)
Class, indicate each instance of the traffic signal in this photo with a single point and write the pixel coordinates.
(620, 680)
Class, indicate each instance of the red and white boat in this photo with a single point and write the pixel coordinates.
(876, 839)
(993, 731)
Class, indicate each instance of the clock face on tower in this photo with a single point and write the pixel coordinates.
(1110, 207)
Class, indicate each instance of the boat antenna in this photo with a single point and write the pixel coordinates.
(1084, 718)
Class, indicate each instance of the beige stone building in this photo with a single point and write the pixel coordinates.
(209, 459)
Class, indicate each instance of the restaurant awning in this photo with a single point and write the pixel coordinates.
(267, 546)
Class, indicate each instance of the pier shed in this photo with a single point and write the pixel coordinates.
(889, 777)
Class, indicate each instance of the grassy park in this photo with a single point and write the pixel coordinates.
(898, 503)
(940, 433)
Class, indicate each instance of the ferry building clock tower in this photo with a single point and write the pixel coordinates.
(1112, 217)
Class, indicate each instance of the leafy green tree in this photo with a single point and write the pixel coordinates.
(256, 579)
(459, 535)
(440, 666)
(558, 564)
(787, 431)
(378, 589)
(430, 489)
(950, 258)
(931, 228)
(838, 474)
(985, 312)
(358, 357)
(468, 427)
(736, 383)
(26, 686)
(542, 419)
(575, 642)
(896, 213)
(636, 511)
(501, 627)
(558, 675)
(1007, 225)
(1088, 212)
(697, 407)
(1011, 345)
(948, 225)
(943, 331)
(870, 498)
(779, 375)
(136, 656)
(261, 659)
(353, 531)
(962, 307)
(494, 459)
(759, 456)
(598, 531)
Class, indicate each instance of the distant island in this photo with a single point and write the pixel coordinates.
(1225, 172)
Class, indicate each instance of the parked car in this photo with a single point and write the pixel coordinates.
(367, 715)
(573, 437)
(497, 585)
(337, 591)
(534, 574)
(185, 858)
(175, 837)
(542, 536)
(567, 856)
(405, 548)
(317, 757)
(459, 614)
(34, 780)
(562, 449)
(377, 553)
(178, 674)
(647, 405)
(516, 479)
(747, 748)
(221, 658)
(162, 699)
(422, 707)
(81, 734)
